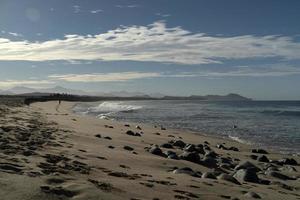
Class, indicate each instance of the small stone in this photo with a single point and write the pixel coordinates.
(262, 158)
(252, 195)
(261, 151)
(209, 175)
(128, 148)
(227, 177)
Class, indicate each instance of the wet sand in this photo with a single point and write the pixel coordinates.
(47, 152)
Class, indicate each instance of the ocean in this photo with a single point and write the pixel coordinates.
(268, 124)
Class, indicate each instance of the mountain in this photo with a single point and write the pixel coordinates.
(229, 97)
(20, 90)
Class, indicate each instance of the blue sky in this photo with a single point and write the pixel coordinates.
(175, 47)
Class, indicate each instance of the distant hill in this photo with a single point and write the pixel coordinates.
(229, 97)
(27, 91)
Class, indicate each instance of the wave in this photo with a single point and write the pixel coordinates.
(113, 107)
(293, 113)
(237, 139)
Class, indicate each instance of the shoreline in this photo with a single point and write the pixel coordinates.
(274, 149)
(68, 156)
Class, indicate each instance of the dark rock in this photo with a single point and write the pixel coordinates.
(127, 125)
(128, 148)
(277, 175)
(247, 165)
(138, 127)
(209, 162)
(98, 135)
(107, 138)
(288, 161)
(190, 148)
(211, 154)
(190, 156)
(246, 175)
(227, 177)
(261, 151)
(173, 156)
(221, 146)
(156, 151)
(262, 158)
(209, 175)
(187, 170)
(252, 195)
(130, 132)
(179, 143)
(254, 157)
(167, 145)
(233, 149)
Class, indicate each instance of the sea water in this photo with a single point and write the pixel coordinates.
(269, 124)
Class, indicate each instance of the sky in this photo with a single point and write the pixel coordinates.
(174, 47)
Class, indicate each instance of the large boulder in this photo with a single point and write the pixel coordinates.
(247, 165)
(246, 175)
(190, 156)
(227, 177)
(187, 170)
(179, 143)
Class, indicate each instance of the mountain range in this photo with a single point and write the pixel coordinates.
(27, 91)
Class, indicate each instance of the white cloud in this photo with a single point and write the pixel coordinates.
(163, 15)
(104, 77)
(155, 43)
(13, 83)
(15, 34)
(96, 11)
(128, 6)
(76, 8)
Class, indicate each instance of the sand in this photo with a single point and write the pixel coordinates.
(56, 154)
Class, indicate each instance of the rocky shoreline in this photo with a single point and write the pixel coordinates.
(60, 155)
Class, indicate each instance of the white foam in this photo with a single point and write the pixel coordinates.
(235, 138)
(113, 107)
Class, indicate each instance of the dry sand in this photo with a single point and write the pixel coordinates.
(51, 154)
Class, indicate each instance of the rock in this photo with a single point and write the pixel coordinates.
(130, 132)
(209, 162)
(173, 156)
(288, 161)
(262, 158)
(156, 151)
(190, 156)
(211, 154)
(247, 165)
(233, 149)
(127, 125)
(277, 175)
(227, 177)
(261, 151)
(167, 146)
(252, 195)
(246, 175)
(128, 148)
(187, 170)
(283, 185)
(190, 148)
(221, 146)
(98, 135)
(254, 157)
(209, 175)
(179, 143)
(107, 138)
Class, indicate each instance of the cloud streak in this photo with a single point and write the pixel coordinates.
(155, 43)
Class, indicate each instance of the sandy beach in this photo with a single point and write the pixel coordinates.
(48, 152)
